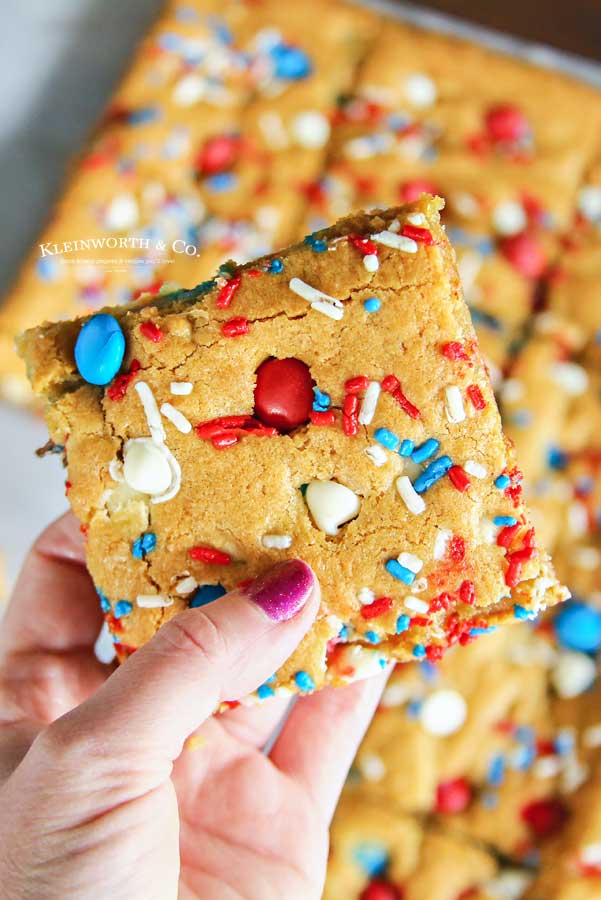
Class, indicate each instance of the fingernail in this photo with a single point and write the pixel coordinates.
(283, 591)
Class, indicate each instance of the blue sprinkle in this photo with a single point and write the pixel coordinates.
(319, 246)
(145, 544)
(502, 521)
(373, 637)
(406, 448)
(47, 268)
(304, 681)
(522, 418)
(564, 742)
(520, 612)
(502, 482)
(170, 41)
(524, 758)
(221, 182)
(387, 438)
(394, 568)
(141, 116)
(99, 349)
(264, 691)
(116, 639)
(419, 651)
(489, 800)
(373, 858)
(525, 734)
(322, 401)
(271, 679)
(425, 450)
(433, 473)
(428, 670)
(290, 63)
(343, 633)
(496, 771)
(414, 708)
(402, 623)
(478, 632)
(372, 305)
(105, 604)
(122, 608)
(479, 317)
(578, 627)
(276, 266)
(557, 459)
(206, 594)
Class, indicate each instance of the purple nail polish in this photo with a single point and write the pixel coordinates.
(283, 591)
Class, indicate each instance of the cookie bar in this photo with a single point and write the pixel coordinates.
(340, 380)
(225, 111)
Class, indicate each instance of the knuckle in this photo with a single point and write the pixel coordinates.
(195, 633)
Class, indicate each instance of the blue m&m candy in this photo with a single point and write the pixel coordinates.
(99, 349)
(578, 627)
(290, 63)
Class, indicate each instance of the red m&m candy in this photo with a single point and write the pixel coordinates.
(525, 253)
(412, 190)
(284, 393)
(506, 124)
(378, 889)
(218, 154)
(544, 817)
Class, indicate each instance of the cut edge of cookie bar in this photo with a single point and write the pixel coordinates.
(396, 583)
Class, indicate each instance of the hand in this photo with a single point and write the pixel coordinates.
(102, 794)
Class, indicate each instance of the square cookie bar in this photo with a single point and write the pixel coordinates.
(328, 403)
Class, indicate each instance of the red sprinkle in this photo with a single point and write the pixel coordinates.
(419, 622)
(379, 606)
(350, 415)
(224, 440)
(392, 386)
(457, 548)
(328, 417)
(467, 592)
(151, 332)
(210, 555)
(118, 388)
(459, 478)
(363, 244)
(253, 273)
(68, 486)
(390, 383)
(421, 235)
(475, 395)
(454, 350)
(235, 327)
(226, 294)
(357, 384)
(434, 653)
(506, 123)
(453, 796)
(443, 601)
(506, 535)
(412, 190)
(516, 562)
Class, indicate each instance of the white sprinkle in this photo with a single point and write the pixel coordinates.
(591, 736)
(411, 498)
(510, 884)
(411, 561)
(371, 262)
(311, 129)
(474, 468)
(587, 558)
(153, 601)
(509, 217)
(454, 404)
(176, 418)
(377, 454)
(547, 767)
(370, 402)
(186, 585)
(420, 90)
(441, 542)
(416, 219)
(443, 712)
(415, 604)
(277, 541)
(153, 417)
(574, 774)
(396, 241)
(466, 205)
(571, 377)
(589, 202)
(188, 90)
(318, 300)
(577, 518)
(394, 226)
(419, 585)
(512, 390)
(104, 648)
(372, 767)
(590, 855)
(366, 596)
(181, 388)
(273, 130)
(573, 674)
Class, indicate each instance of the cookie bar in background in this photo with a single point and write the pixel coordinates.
(188, 153)
(342, 381)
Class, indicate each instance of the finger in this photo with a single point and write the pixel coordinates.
(54, 605)
(321, 736)
(198, 659)
(254, 725)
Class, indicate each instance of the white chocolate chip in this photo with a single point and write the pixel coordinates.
(331, 505)
(372, 767)
(122, 213)
(145, 467)
(589, 202)
(181, 388)
(571, 377)
(366, 596)
(420, 90)
(509, 217)
(104, 648)
(311, 129)
(189, 90)
(276, 541)
(573, 674)
(443, 712)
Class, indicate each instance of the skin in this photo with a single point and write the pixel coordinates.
(102, 791)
